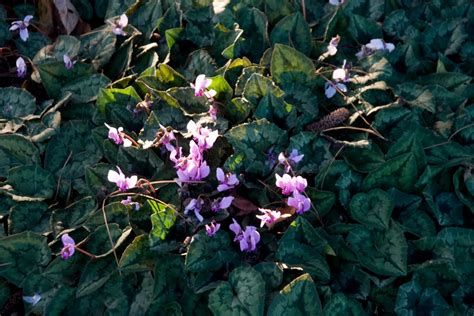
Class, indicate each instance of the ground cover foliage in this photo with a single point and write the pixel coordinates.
(389, 174)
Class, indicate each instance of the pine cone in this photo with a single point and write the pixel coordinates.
(333, 119)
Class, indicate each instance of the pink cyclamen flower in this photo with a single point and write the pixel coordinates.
(166, 138)
(205, 137)
(128, 202)
(293, 158)
(68, 63)
(248, 238)
(119, 24)
(331, 88)
(289, 184)
(195, 205)
(222, 203)
(212, 228)
(123, 183)
(22, 26)
(213, 109)
(300, 202)
(200, 87)
(299, 183)
(235, 227)
(116, 135)
(226, 181)
(191, 168)
(21, 68)
(69, 246)
(285, 183)
(268, 217)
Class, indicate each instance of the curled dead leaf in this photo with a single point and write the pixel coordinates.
(68, 14)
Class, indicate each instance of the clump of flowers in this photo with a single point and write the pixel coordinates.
(204, 136)
(248, 238)
(289, 185)
(193, 167)
(123, 183)
(22, 26)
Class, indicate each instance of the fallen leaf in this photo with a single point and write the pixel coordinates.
(68, 14)
(244, 205)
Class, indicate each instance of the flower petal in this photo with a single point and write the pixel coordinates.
(24, 34)
(113, 176)
(67, 240)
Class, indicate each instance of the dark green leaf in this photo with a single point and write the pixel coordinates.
(399, 172)
(272, 274)
(208, 253)
(32, 181)
(382, 252)
(289, 67)
(145, 16)
(99, 46)
(254, 23)
(297, 298)
(252, 143)
(85, 89)
(412, 299)
(293, 30)
(302, 246)
(243, 295)
(16, 150)
(373, 209)
(23, 255)
(339, 304)
(29, 216)
(16, 103)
